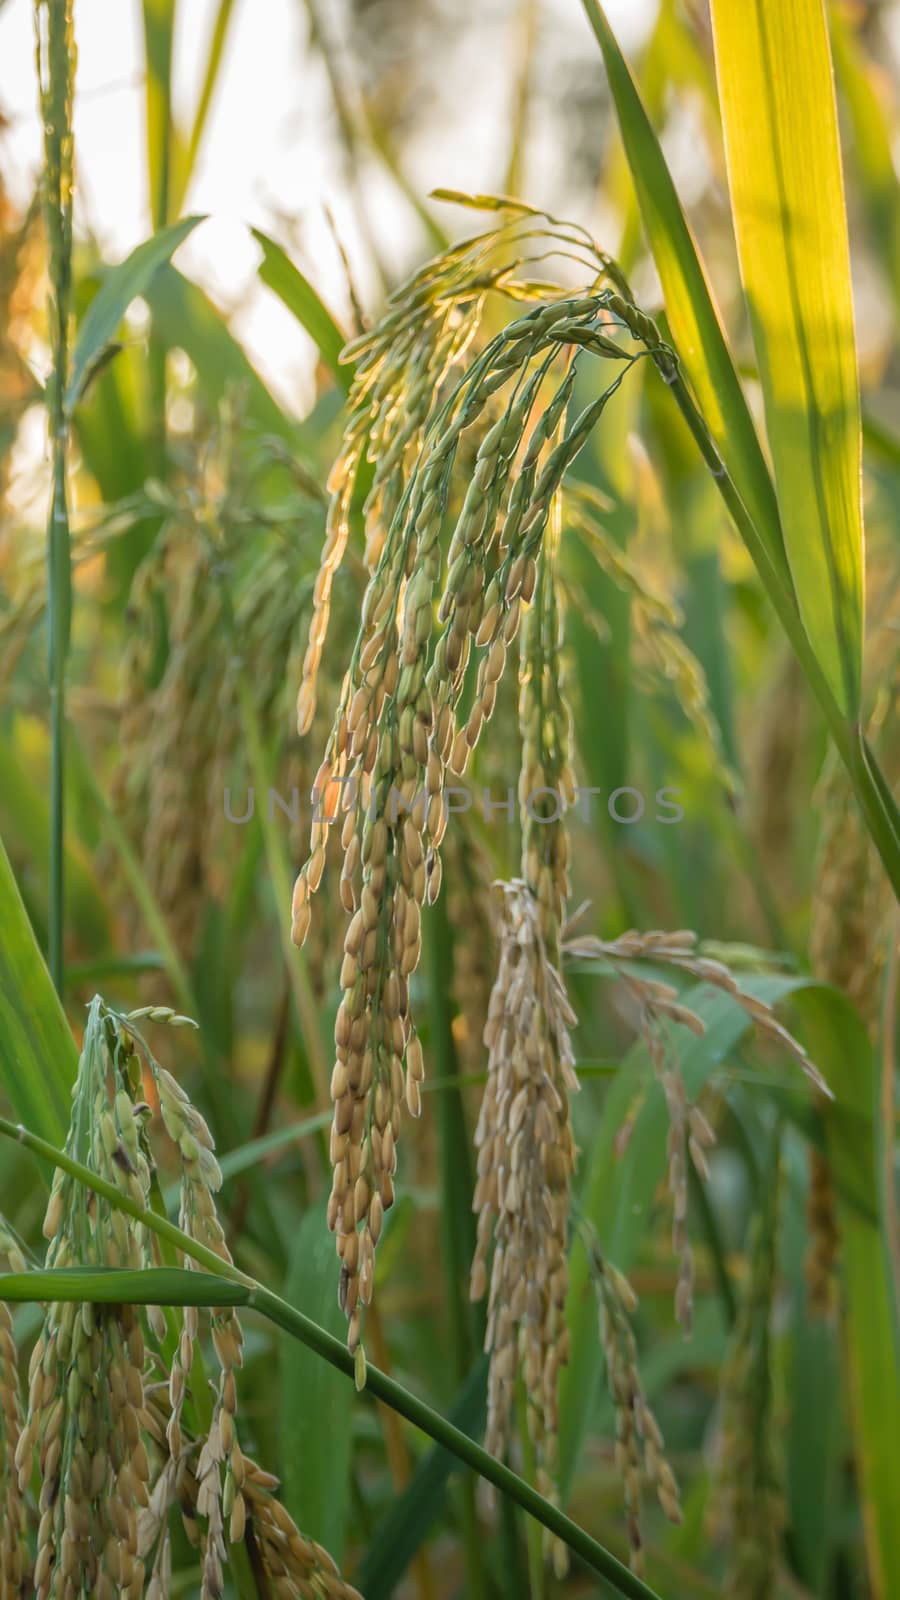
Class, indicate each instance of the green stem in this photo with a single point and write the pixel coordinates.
(56, 78)
(231, 1287)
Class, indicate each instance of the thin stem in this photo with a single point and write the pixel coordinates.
(56, 78)
(221, 1284)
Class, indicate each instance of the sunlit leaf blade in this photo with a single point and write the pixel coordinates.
(280, 275)
(122, 284)
(37, 1052)
(874, 173)
(691, 310)
(159, 38)
(218, 37)
(776, 90)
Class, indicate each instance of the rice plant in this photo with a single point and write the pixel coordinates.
(448, 1006)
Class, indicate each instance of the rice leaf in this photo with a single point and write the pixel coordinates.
(693, 317)
(295, 291)
(122, 284)
(872, 1348)
(316, 1401)
(37, 1052)
(872, 154)
(159, 37)
(776, 90)
(218, 37)
(186, 318)
(25, 824)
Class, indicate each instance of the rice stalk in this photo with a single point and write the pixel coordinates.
(56, 80)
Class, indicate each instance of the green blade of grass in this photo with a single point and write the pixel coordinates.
(37, 1052)
(185, 163)
(279, 274)
(314, 1398)
(872, 155)
(784, 169)
(159, 36)
(56, 78)
(186, 318)
(121, 284)
(691, 310)
(25, 822)
(872, 1349)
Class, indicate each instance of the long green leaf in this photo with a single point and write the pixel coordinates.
(295, 291)
(872, 1350)
(784, 169)
(37, 1052)
(694, 320)
(185, 318)
(872, 154)
(159, 38)
(316, 1404)
(122, 284)
(185, 165)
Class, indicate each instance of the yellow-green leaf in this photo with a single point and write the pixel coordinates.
(776, 89)
(37, 1051)
(693, 316)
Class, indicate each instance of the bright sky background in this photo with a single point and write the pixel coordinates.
(270, 148)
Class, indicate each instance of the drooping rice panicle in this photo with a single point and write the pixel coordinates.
(658, 1004)
(14, 1557)
(87, 1368)
(526, 1148)
(526, 1156)
(401, 726)
(639, 1443)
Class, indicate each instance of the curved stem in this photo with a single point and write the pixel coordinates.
(221, 1284)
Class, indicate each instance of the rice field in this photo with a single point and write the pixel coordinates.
(449, 844)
